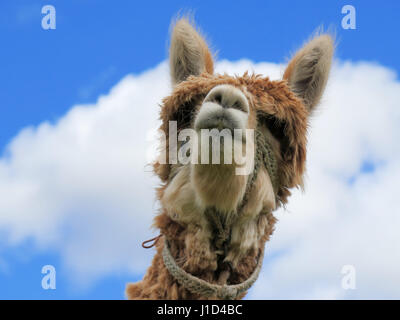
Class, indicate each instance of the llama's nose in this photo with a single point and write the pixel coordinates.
(228, 96)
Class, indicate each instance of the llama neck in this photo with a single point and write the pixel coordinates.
(184, 223)
(218, 185)
(158, 283)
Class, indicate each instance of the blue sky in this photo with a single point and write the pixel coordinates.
(97, 43)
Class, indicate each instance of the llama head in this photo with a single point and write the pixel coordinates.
(279, 110)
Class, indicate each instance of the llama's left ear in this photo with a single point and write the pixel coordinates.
(188, 53)
(308, 71)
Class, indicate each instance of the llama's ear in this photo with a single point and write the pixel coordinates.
(188, 53)
(308, 71)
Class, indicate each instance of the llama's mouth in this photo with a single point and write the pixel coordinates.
(213, 116)
(219, 122)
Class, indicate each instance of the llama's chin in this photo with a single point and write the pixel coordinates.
(218, 185)
(221, 180)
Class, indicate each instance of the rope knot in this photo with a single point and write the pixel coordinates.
(226, 292)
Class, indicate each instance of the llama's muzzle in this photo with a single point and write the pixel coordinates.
(225, 107)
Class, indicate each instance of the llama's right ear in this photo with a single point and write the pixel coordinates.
(307, 73)
(188, 53)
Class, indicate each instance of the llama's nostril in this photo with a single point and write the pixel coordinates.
(237, 105)
(218, 98)
(228, 96)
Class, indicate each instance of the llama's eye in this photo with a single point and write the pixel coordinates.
(184, 114)
(277, 128)
(274, 125)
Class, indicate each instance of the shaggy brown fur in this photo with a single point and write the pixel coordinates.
(270, 98)
(281, 109)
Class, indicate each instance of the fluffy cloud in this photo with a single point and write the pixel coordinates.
(348, 214)
(82, 186)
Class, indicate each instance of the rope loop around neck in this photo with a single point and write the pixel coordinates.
(206, 289)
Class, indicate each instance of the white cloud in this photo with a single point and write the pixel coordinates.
(81, 186)
(347, 215)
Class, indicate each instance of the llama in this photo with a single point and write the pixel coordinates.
(213, 222)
